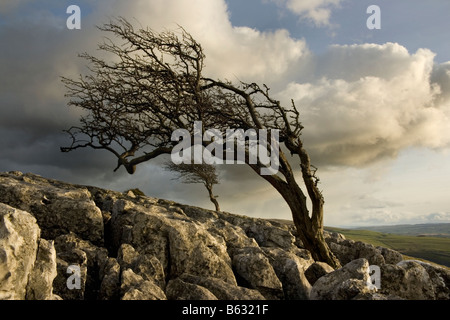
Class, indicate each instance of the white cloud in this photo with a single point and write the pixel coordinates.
(372, 101)
(387, 217)
(317, 11)
(360, 104)
(436, 217)
(231, 52)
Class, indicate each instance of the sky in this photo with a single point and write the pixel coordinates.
(375, 103)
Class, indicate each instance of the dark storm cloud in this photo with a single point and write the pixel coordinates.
(33, 110)
(362, 104)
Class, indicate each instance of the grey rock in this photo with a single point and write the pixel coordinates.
(345, 283)
(178, 289)
(255, 271)
(440, 279)
(126, 255)
(223, 290)
(171, 237)
(316, 271)
(134, 287)
(408, 280)
(349, 250)
(19, 235)
(59, 208)
(150, 268)
(192, 246)
(110, 285)
(390, 256)
(343, 250)
(71, 250)
(351, 289)
(64, 263)
(145, 265)
(265, 233)
(290, 270)
(129, 247)
(40, 281)
(333, 236)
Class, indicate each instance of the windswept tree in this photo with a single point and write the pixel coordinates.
(197, 173)
(154, 84)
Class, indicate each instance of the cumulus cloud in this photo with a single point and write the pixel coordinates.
(388, 217)
(437, 217)
(368, 102)
(360, 103)
(317, 11)
(234, 53)
(40, 49)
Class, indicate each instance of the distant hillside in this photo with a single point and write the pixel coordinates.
(434, 249)
(431, 230)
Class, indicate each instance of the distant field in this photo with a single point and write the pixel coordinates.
(434, 249)
(430, 230)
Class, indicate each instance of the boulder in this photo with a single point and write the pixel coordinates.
(335, 237)
(316, 271)
(265, 233)
(64, 241)
(70, 282)
(19, 235)
(178, 289)
(440, 279)
(349, 250)
(134, 287)
(126, 256)
(147, 266)
(223, 290)
(195, 251)
(110, 280)
(289, 268)
(74, 251)
(169, 236)
(58, 208)
(408, 280)
(40, 281)
(345, 283)
(390, 256)
(254, 270)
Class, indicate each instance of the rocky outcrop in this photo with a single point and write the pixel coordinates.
(344, 284)
(19, 236)
(415, 280)
(70, 242)
(316, 271)
(348, 250)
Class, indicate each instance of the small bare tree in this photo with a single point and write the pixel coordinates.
(155, 85)
(197, 173)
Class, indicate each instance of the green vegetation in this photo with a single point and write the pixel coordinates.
(433, 249)
(429, 230)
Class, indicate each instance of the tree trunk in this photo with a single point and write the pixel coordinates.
(309, 229)
(212, 197)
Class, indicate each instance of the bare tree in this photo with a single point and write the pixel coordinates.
(155, 85)
(197, 173)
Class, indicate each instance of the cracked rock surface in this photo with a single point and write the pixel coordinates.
(72, 242)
